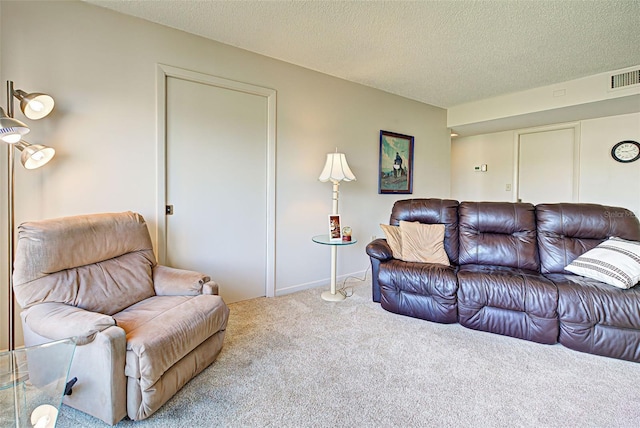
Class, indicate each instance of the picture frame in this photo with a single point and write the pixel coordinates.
(395, 169)
(335, 231)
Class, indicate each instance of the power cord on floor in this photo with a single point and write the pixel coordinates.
(347, 291)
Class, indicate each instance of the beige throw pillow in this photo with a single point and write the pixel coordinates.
(392, 233)
(423, 243)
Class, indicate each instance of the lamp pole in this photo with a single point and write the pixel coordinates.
(10, 221)
(334, 248)
(34, 106)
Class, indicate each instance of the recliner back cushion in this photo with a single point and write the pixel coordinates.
(568, 230)
(498, 233)
(99, 262)
(431, 211)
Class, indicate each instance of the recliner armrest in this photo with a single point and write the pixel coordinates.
(168, 281)
(57, 321)
(379, 249)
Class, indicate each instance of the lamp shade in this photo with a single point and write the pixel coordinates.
(11, 130)
(34, 155)
(35, 105)
(336, 169)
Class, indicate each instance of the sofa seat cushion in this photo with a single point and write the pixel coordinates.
(163, 329)
(598, 318)
(420, 290)
(508, 301)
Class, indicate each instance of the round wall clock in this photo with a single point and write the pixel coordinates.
(626, 151)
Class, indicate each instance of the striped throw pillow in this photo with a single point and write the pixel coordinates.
(615, 261)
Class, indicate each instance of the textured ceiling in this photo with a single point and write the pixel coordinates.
(442, 53)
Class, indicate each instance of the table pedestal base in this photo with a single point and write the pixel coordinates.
(330, 297)
(334, 295)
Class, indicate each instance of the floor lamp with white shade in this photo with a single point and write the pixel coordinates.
(34, 106)
(335, 170)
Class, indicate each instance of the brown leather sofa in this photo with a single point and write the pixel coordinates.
(508, 276)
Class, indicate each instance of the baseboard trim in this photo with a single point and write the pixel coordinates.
(322, 283)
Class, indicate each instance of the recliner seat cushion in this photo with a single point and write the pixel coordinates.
(161, 330)
(508, 301)
(420, 290)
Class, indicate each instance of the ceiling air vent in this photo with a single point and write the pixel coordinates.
(623, 80)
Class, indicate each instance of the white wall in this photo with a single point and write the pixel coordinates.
(496, 151)
(100, 67)
(602, 180)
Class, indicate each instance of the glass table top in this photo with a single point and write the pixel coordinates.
(324, 239)
(32, 383)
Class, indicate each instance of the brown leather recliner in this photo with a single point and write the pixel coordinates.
(501, 289)
(419, 290)
(594, 317)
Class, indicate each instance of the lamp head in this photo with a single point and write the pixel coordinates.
(34, 155)
(336, 169)
(11, 130)
(35, 105)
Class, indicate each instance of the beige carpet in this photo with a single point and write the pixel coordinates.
(298, 361)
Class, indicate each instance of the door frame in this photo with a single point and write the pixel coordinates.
(163, 72)
(575, 126)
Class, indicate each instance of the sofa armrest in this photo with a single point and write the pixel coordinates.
(57, 321)
(168, 281)
(379, 249)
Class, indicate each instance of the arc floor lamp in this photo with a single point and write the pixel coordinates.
(34, 106)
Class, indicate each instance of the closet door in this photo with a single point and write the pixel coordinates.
(547, 166)
(216, 183)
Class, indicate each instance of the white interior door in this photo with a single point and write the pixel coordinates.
(547, 166)
(217, 166)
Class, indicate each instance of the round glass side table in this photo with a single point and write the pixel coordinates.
(332, 295)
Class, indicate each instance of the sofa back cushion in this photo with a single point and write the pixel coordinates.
(498, 233)
(431, 211)
(98, 262)
(568, 230)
